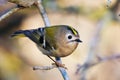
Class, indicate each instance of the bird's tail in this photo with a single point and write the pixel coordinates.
(32, 34)
(18, 34)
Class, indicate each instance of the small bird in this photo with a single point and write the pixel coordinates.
(55, 41)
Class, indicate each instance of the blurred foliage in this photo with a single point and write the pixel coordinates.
(97, 14)
(50, 4)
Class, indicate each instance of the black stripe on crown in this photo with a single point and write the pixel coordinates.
(72, 30)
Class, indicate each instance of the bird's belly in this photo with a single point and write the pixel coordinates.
(45, 52)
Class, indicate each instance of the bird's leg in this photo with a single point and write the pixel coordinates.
(57, 63)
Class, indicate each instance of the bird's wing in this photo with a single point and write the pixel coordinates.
(34, 34)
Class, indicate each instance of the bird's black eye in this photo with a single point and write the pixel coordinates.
(69, 37)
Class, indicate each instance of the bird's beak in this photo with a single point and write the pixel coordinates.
(78, 40)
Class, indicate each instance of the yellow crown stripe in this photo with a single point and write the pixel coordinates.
(74, 31)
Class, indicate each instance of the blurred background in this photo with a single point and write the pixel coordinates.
(18, 56)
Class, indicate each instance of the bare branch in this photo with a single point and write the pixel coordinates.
(43, 13)
(111, 57)
(14, 9)
(89, 62)
(86, 66)
(44, 67)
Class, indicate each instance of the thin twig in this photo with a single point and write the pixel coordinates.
(111, 57)
(44, 67)
(14, 9)
(62, 70)
(91, 53)
(89, 62)
(43, 13)
(100, 60)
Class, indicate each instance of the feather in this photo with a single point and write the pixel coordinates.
(18, 34)
(36, 35)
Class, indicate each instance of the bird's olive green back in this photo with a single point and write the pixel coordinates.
(50, 35)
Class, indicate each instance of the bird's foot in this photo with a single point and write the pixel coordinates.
(59, 65)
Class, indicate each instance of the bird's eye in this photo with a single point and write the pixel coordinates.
(69, 37)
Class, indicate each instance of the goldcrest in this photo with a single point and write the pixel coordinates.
(56, 41)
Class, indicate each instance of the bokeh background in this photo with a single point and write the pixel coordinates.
(18, 56)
